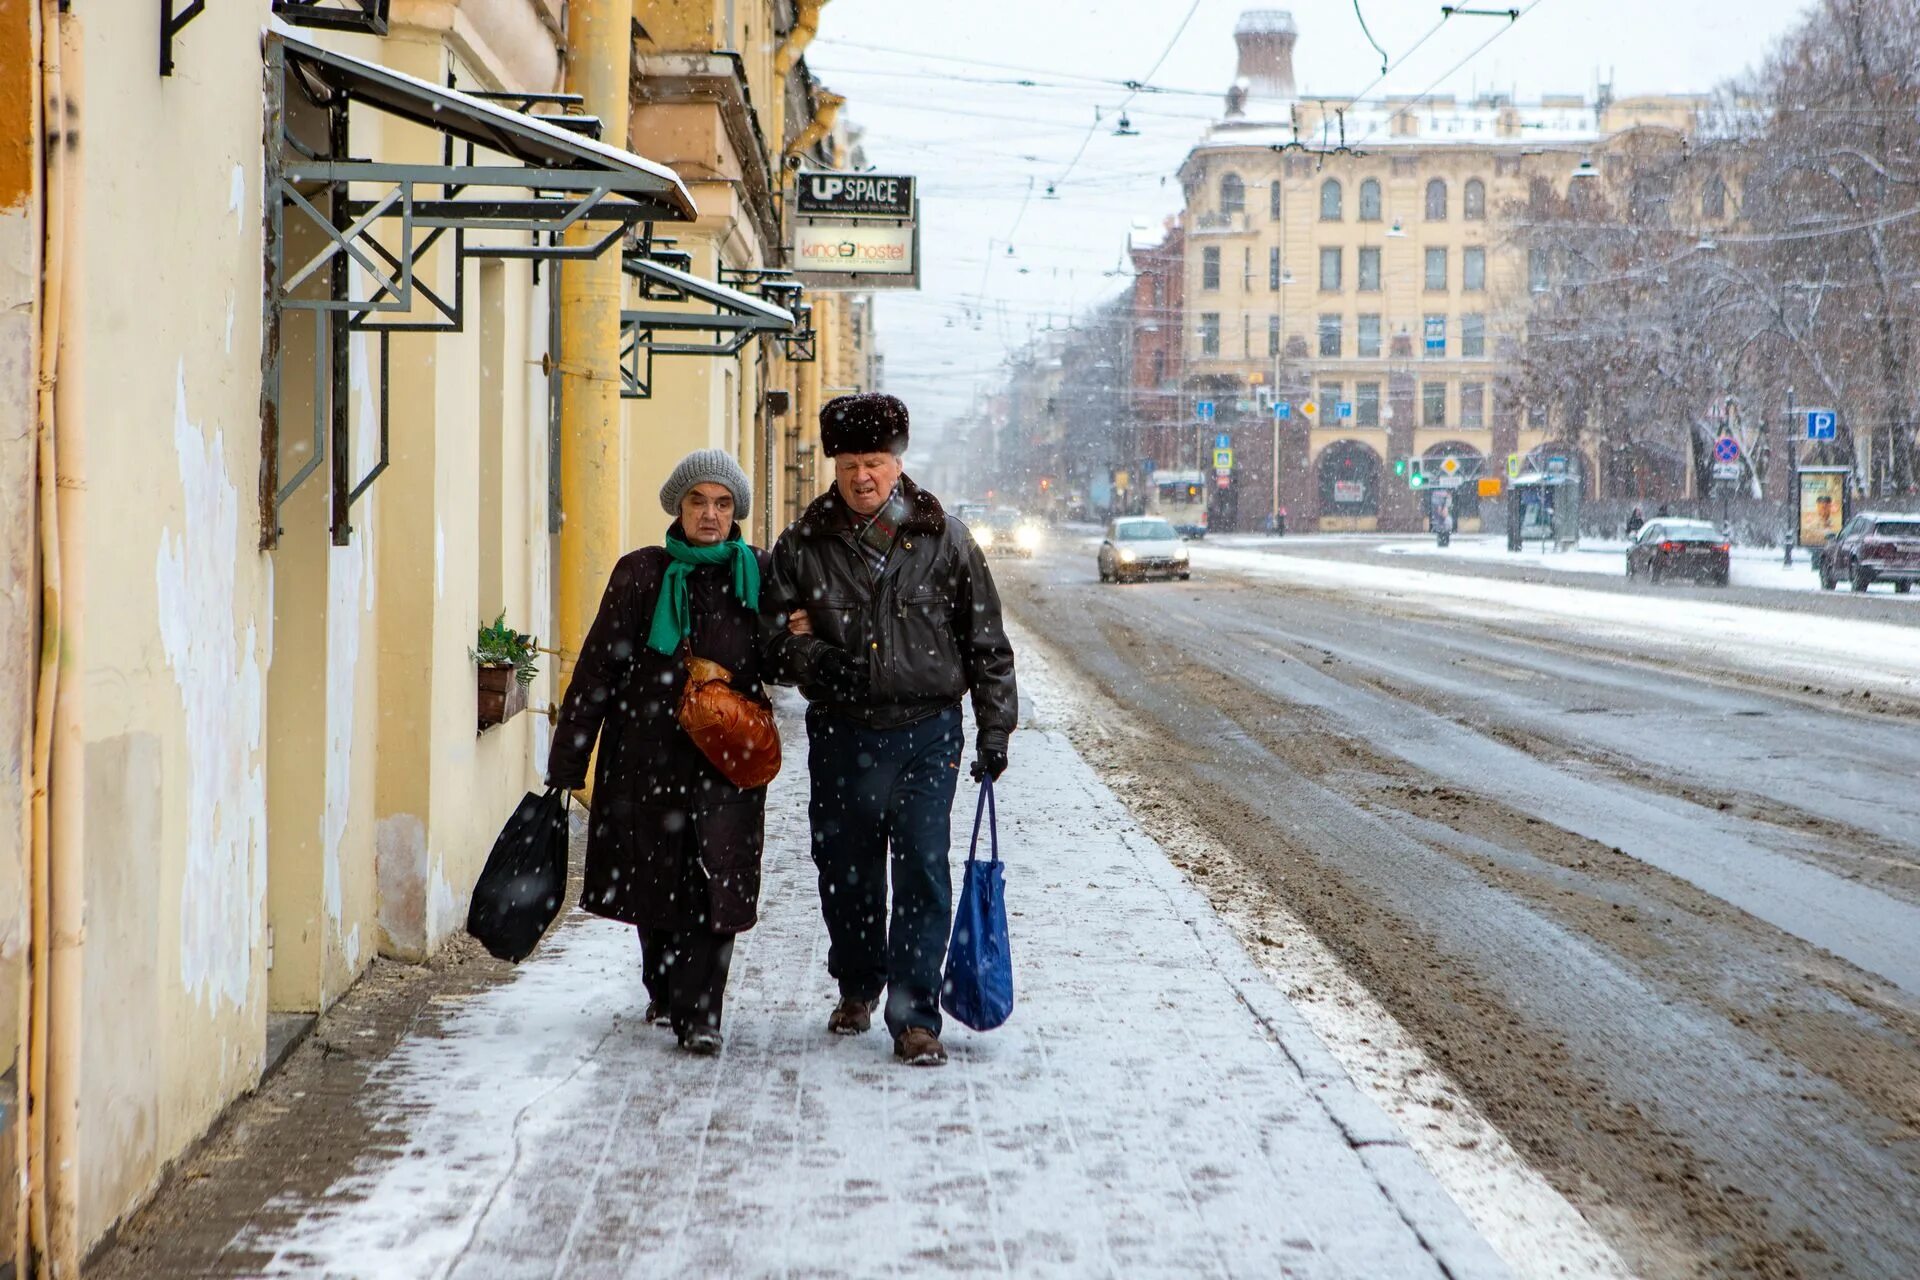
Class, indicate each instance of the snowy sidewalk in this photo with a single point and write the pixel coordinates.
(1154, 1108)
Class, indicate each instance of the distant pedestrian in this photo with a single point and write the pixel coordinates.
(895, 620)
(673, 847)
(1635, 523)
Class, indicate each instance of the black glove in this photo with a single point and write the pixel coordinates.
(843, 676)
(989, 762)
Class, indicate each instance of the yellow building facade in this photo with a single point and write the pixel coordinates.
(247, 541)
(1348, 261)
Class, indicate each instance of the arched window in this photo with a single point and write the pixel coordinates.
(1437, 200)
(1233, 194)
(1713, 204)
(1330, 200)
(1474, 200)
(1370, 200)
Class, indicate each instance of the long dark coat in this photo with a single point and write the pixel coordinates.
(671, 843)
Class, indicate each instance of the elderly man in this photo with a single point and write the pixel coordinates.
(894, 620)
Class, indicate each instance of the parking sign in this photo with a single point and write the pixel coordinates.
(1823, 424)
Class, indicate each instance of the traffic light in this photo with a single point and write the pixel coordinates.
(1399, 466)
(1416, 474)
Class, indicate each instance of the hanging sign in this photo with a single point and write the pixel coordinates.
(855, 195)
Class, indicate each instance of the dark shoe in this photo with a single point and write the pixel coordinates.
(852, 1017)
(919, 1047)
(703, 1042)
(656, 1012)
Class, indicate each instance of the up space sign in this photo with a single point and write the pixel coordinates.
(855, 195)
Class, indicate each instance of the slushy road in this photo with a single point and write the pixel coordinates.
(1656, 913)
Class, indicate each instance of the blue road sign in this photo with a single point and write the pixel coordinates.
(1823, 424)
(1726, 449)
(1223, 441)
(1282, 410)
(1346, 408)
(1203, 410)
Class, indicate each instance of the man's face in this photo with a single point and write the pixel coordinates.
(706, 513)
(866, 480)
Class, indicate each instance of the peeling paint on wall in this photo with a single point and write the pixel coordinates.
(237, 199)
(223, 892)
(400, 864)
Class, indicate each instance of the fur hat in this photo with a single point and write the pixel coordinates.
(866, 423)
(708, 466)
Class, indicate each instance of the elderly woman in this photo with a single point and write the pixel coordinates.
(673, 847)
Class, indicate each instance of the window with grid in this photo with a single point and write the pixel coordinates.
(1330, 270)
(1330, 335)
(1369, 274)
(1366, 404)
(1537, 270)
(1273, 199)
(1273, 268)
(1273, 335)
(1536, 417)
(1367, 341)
(1435, 337)
(1370, 200)
(1437, 270)
(1473, 336)
(1474, 200)
(1437, 200)
(1473, 268)
(1473, 404)
(1330, 200)
(1330, 404)
(1233, 194)
(1210, 333)
(1433, 404)
(1210, 268)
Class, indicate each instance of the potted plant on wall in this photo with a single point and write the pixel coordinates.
(504, 659)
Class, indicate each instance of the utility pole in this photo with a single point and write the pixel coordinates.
(1792, 531)
(592, 457)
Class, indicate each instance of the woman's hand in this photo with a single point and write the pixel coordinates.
(798, 623)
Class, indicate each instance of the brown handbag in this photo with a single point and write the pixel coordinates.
(734, 732)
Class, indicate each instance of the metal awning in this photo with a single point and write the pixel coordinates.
(736, 319)
(509, 184)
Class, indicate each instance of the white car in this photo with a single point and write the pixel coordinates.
(1142, 547)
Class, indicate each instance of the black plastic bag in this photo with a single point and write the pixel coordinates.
(520, 890)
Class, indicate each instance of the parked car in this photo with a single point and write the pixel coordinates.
(1667, 548)
(1142, 547)
(1007, 532)
(1874, 546)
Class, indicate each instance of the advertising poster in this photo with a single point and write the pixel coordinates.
(1822, 506)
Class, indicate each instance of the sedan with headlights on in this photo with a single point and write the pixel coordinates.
(1142, 547)
(1007, 532)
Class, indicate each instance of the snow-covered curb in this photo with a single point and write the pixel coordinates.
(1533, 1228)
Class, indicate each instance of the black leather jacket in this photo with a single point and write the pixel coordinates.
(929, 625)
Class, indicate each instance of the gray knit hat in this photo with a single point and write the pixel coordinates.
(708, 466)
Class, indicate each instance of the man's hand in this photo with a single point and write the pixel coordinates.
(798, 623)
(989, 762)
(843, 676)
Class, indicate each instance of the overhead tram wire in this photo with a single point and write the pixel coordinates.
(1444, 76)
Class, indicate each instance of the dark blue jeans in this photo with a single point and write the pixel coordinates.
(875, 789)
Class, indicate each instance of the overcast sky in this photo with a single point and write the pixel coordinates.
(934, 88)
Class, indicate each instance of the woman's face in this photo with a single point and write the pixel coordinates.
(706, 513)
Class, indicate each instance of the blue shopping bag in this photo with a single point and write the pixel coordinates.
(978, 990)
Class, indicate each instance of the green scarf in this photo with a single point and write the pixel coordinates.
(670, 621)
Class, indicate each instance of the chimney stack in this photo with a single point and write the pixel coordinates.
(1265, 38)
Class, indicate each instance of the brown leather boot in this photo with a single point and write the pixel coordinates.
(919, 1047)
(851, 1017)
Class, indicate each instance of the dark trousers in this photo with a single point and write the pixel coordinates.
(685, 971)
(877, 791)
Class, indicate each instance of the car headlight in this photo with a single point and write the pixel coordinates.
(983, 536)
(1179, 553)
(1127, 557)
(1028, 538)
